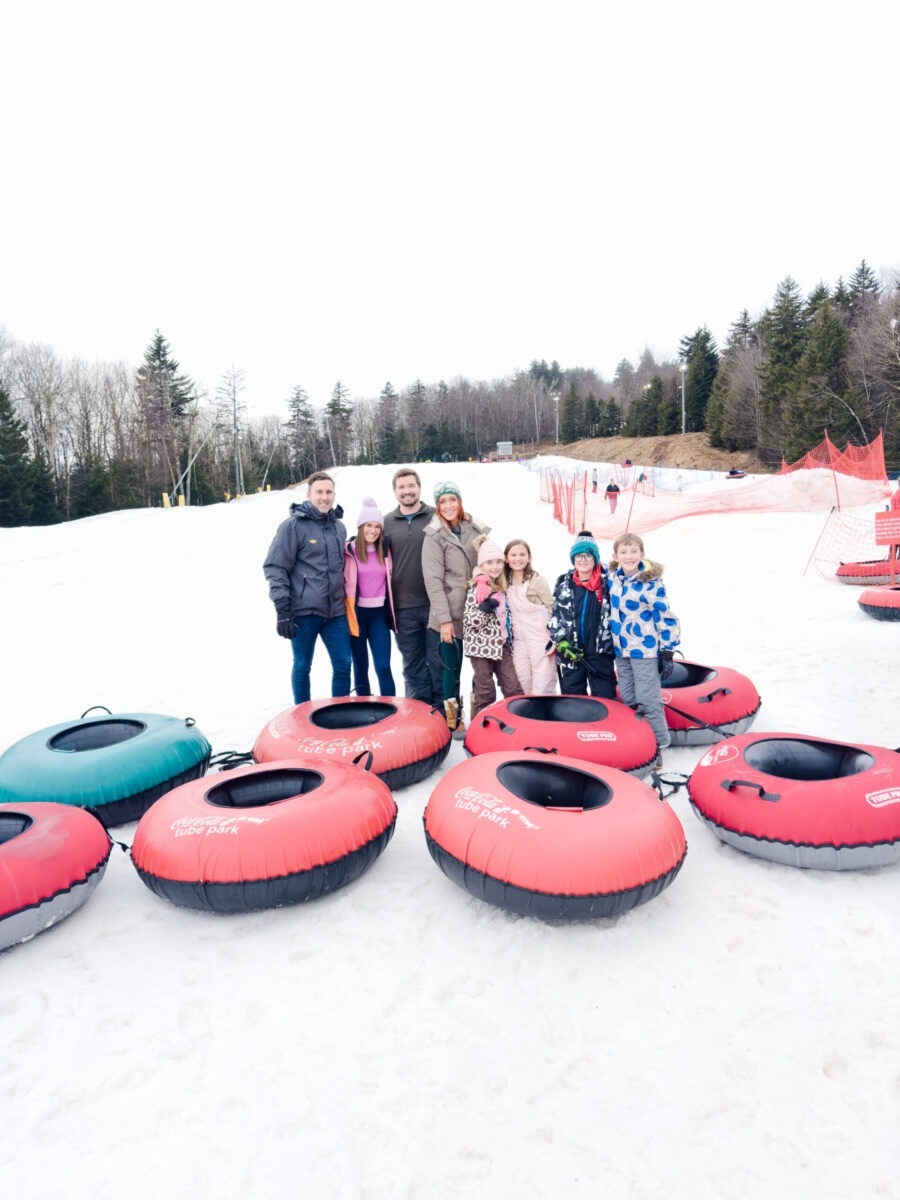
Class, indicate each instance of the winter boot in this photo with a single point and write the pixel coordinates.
(455, 722)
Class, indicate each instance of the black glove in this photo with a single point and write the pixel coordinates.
(665, 661)
(285, 626)
(489, 604)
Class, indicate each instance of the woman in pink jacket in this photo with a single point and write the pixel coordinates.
(370, 606)
(529, 598)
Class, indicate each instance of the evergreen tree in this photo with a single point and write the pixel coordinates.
(339, 425)
(414, 425)
(165, 396)
(569, 430)
(817, 297)
(591, 415)
(386, 436)
(821, 399)
(44, 509)
(841, 297)
(16, 473)
(302, 435)
(668, 407)
(610, 421)
(700, 355)
(784, 338)
(89, 492)
(643, 415)
(551, 376)
(863, 292)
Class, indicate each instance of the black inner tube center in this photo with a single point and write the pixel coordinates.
(265, 787)
(796, 758)
(12, 824)
(687, 675)
(96, 735)
(352, 716)
(553, 785)
(580, 710)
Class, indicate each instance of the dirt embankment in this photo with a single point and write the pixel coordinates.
(691, 451)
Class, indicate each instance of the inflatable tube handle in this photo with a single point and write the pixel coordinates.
(504, 728)
(722, 691)
(730, 784)
(542, 750)
(91, 709)
(368, 756)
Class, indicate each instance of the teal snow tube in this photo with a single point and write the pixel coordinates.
(114, 766)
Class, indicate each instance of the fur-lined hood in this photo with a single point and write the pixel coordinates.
(646, 571)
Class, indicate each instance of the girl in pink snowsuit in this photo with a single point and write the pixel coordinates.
(529, 598)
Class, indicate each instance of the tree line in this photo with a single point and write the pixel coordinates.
(77, 439)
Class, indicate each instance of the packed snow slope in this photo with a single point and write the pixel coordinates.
(734, 1038)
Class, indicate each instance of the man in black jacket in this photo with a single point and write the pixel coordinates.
(305, 570)
(404, 529)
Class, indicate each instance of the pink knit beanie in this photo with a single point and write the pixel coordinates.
(488, 550)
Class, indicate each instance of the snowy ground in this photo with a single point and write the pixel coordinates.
(734, 1038)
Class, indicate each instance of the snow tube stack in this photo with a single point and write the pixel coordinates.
(114, 766)
(52, 857)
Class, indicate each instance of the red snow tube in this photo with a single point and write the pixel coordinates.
(882, 603)
(704, 704)
(584, 727)
(264, 836)
(873, 572)
(52, 856)
(406, 738)
(802, 801)
(553, 838)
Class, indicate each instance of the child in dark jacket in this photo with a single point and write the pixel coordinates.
(579, 624)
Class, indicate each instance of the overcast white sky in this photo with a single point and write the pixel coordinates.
(368, 191)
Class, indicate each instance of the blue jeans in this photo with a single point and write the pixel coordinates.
(421, 676)
(335, 634)
(374, 631)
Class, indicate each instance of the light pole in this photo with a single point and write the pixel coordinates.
(682, 367)
(556, 401)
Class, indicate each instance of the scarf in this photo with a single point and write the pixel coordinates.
(593, 584)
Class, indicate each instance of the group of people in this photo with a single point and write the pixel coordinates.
(434, 578)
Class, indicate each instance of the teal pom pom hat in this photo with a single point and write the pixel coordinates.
(447, 489)
(584, 544)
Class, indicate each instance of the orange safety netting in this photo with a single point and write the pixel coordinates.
(861, 462)
(654, 496)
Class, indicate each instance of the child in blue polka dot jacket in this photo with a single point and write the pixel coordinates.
(645, 631)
